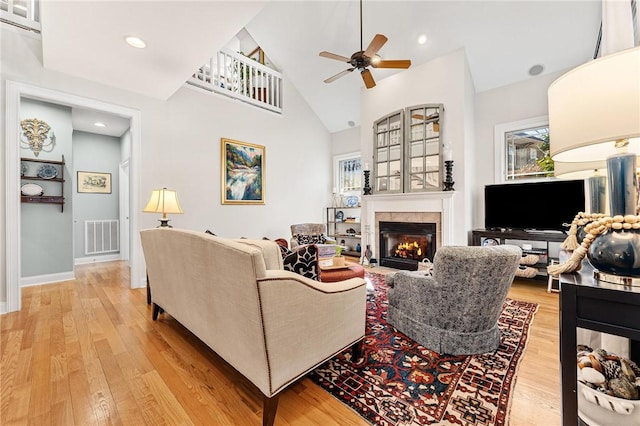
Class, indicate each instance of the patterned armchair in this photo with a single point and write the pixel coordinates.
(310, 233)
(456, 310)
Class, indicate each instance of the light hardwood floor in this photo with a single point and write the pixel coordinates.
(86, 352)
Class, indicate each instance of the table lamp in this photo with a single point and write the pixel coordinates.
(163, 201)
(594, 113)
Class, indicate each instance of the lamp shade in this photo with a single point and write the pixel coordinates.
(578, 170)
(163, 201)
(592, 106)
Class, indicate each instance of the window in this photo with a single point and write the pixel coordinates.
(348, 173)
(522, 150)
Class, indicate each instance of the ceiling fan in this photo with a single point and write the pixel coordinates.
(362, 59)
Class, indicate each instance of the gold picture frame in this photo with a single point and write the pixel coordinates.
(243, 172)
(94, 183)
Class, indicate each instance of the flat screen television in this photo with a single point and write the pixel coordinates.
(540, 206)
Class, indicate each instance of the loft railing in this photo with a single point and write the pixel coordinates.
(231, 74)
(21, 13)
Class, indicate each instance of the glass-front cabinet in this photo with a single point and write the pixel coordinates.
(407, 150)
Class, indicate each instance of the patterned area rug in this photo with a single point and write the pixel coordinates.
(402, 383)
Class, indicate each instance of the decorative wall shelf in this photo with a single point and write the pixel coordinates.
(31, 175)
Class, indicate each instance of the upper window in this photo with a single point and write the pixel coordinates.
(348, 173)
(524, 150)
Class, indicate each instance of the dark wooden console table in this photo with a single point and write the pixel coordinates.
(598, 306)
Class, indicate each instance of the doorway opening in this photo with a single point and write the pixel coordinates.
(14, 94)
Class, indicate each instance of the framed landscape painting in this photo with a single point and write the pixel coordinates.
(243, 177)
(94, 183)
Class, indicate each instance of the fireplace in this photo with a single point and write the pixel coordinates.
(404, 244)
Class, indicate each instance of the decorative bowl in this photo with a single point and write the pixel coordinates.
(599, 409)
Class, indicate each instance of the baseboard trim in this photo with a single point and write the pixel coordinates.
(96, 259)
(3, 308)
(47, 279)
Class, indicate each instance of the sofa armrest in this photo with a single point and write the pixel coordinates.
(270, 251)
(413, 289)
(306, 321)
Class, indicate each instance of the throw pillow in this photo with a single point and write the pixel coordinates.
(284, 251)
(303, 261)
(311, 239)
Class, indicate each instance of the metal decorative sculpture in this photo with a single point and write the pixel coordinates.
(36, 131)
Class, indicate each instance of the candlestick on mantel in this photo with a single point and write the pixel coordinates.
(366, 166)
(447, 152)
(448, 179)
(366, 189)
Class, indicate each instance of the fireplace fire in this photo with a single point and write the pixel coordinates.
(408, 251)
(404, 244)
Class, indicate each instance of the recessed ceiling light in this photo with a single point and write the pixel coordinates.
(99, 124)
(135, 42)
(536, 69)
(351, 123)
(422, 39)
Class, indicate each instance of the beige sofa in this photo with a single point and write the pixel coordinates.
(271, 325)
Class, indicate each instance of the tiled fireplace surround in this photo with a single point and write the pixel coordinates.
(429, 207)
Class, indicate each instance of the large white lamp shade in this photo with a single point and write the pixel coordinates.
(592, 106)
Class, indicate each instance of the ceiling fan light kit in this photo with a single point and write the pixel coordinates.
(362, 59)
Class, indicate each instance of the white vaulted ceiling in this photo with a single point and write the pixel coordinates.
(502, 40)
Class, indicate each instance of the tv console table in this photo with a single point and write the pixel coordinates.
(544, 244)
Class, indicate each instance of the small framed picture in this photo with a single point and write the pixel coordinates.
(94, 183)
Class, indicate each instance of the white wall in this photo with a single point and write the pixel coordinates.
(442, 80)
(346, 141)
(515, 102)
(181, 150)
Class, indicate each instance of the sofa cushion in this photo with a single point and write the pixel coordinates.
(303, 260)
(310, 239)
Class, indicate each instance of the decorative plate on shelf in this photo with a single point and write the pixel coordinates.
(31, 189)
(47, 171)
(490, 242)
(23, 169)
(351, 201)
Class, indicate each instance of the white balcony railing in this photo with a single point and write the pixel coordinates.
(21, 13)
(231, 74)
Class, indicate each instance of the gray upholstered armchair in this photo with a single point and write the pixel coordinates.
(309, 233)
(456, 310)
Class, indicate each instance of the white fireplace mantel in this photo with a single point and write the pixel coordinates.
(433, 202)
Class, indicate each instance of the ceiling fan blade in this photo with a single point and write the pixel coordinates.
(340, 74)
(367, 78)
(397, 63)
(334, 56)
(376, 44)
